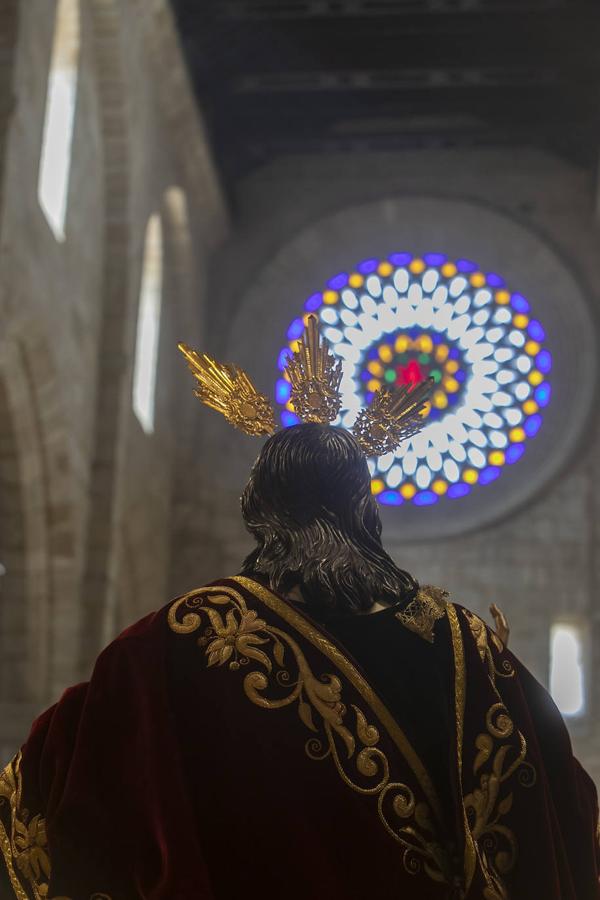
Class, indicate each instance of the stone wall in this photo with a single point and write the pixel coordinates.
(85, 509)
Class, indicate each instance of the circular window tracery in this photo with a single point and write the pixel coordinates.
(398, 320)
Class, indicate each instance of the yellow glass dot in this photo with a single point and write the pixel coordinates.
(356, 280)
(289, 405)
(502, 297)
(520, 320)
(440, 400)
(532, 348)
(530, 407)
(401, 344)
(451, 384)
(385, 353)
(471, 476)
(294, 346)
(452, 366)
(417, 266)
(440, 486)
(496, 458)
(375, 368)
(477, 279)
(448, 270)
(330, 297)
(377, 486)
(385, 268)
(441, 353)
(535, 378)
(408, 491)
(426, 410)
(373, 385)
(425, 343)
(517, 435)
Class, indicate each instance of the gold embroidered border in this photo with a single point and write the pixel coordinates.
(27, 844)
(8, 857)
(296, 619)
(460, 688)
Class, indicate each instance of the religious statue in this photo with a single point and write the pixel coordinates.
(319, 726)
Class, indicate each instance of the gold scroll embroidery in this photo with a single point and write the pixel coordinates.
(26, 847)
(234, 635)
(487, 841)
(482, 636)
(460, 687)
(496, 843)
(421, 614)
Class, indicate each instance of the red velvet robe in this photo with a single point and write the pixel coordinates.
(226, 746)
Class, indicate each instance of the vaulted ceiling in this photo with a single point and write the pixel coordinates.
(280, 76)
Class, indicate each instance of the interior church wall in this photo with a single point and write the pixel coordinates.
(92, 490)
(541, 561)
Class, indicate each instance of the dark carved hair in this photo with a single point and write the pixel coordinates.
(308, 504)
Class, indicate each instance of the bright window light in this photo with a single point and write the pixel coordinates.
(55, 161)
(566, 669)
(148, 326)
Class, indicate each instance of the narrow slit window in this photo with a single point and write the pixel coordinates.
(567, 674)
(148, 326)
(55, 160)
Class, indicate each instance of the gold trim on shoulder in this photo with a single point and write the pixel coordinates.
(421, 614)
(234, 635)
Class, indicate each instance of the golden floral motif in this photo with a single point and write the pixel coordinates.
(421, 614)
(342, 734)
(485, 807)
(25, 848)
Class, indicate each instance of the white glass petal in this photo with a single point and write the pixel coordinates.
(434, 459)
(347, 317)
(373, 285)
(429, 280)
(513, 416)
(481, 298)
(498, 439)
(423, 477)
(415, 294)
(451, 470)
(457, 451)
(401, 280)
(476, 457)
(457, 286)
(478, 438)
(524, 364)
(522, 391)
(329, 315)
(394, 476)
(440, 295)
(349, 299)
(409, 463)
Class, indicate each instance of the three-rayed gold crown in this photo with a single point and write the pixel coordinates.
(315, 376)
